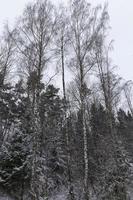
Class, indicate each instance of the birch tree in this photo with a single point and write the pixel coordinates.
(128, 95)
(7, 49)
(61, 52)
(35, 31)
(111, 88)
(34, 34)
(85, 25)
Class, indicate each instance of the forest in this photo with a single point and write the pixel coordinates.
(66, 116)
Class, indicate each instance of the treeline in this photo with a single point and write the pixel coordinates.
(73, 146)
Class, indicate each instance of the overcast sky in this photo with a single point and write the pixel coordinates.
(121, 21)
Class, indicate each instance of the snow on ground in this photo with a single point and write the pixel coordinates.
(5, 197)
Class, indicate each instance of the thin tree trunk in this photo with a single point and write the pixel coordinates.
(82, 97)
(63, 69)
(22, 191)
(86, 192)
(71, 192)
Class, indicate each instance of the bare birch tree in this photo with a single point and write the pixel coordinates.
(61, 51)
(110, 83)
(35, 32)
(7, 49)
(128, 95)
(85, 25)
(34, 35)
(111, 88)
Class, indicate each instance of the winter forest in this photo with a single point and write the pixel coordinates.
(71, 140)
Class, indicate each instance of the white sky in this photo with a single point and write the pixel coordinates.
(121, 21)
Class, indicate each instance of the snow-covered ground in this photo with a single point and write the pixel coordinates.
(5, 197)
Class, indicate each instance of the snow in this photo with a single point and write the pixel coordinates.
(5, 197)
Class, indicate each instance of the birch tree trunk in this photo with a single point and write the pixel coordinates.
(70, 187)
(85, 28)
